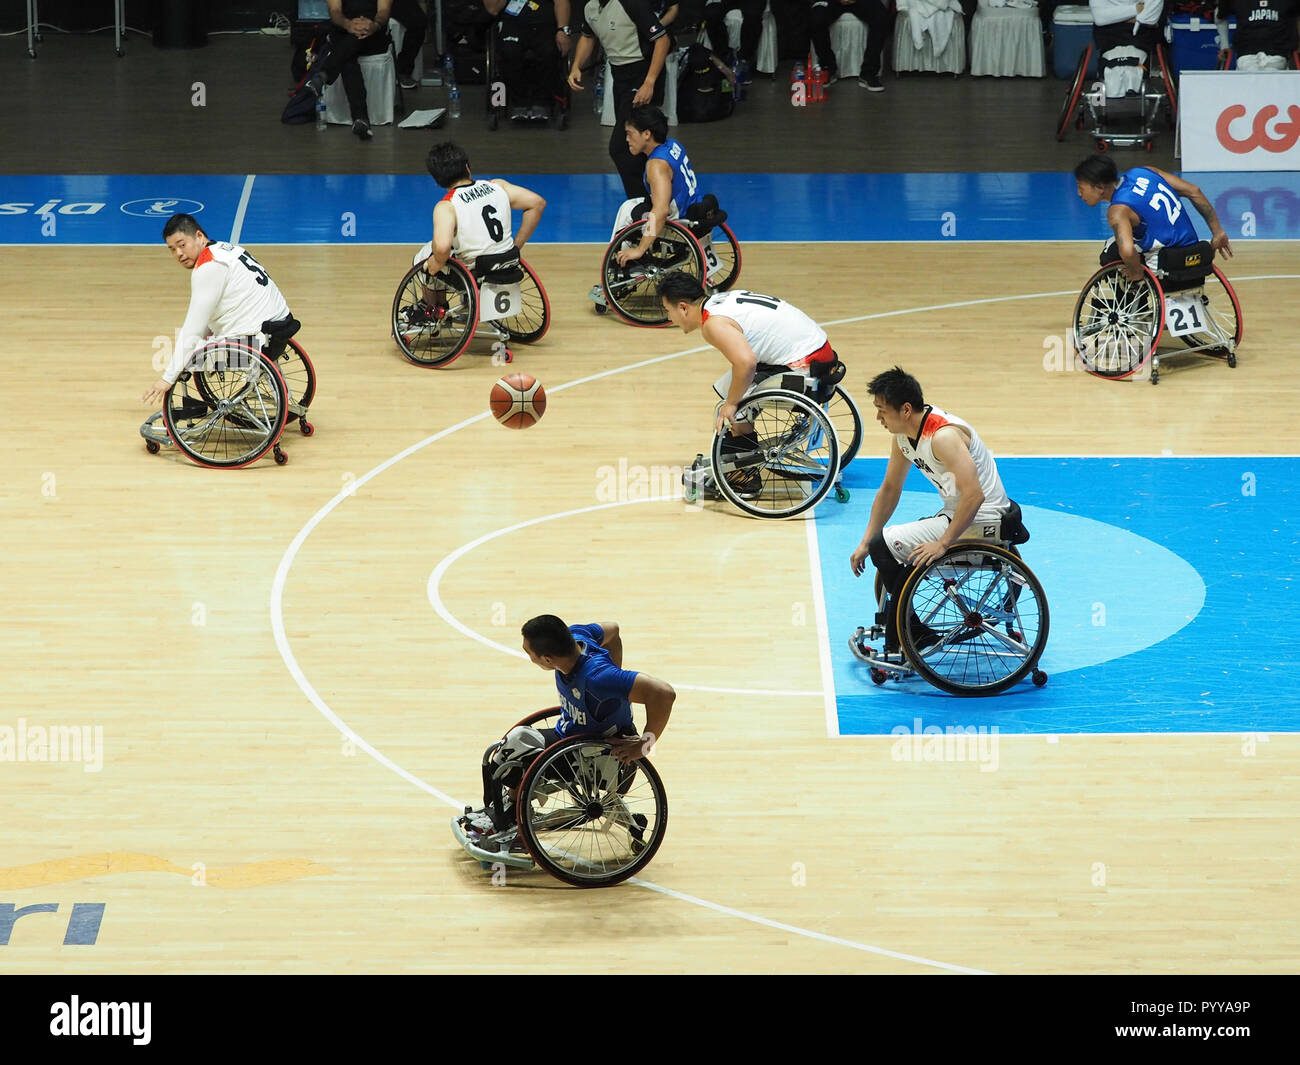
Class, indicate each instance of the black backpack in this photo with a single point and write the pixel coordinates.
(700, 96)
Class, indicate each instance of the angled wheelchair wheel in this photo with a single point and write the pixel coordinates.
(787, 466)
(534, 318)
(974, 621)
(630, 289)
(722, 257)
(844, 415)
(1117, 322)
(540, 719)
(1070, 105)
(434, 316)
(585, 818)
(237, 412)
(300, 378)
(1222, 316)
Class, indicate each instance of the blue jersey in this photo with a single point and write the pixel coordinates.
(1164, 221)
(686, 189)
(594, 696)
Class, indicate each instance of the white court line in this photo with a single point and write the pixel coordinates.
(823, 631)
(238, 227)
(435, 581)
(295, 670)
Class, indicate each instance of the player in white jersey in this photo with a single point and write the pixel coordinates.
(230, 295)
(759, 335)
(474, 218)
(953, 458)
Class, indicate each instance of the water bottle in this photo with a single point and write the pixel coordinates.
(320, 110)
(798, 74)
(598, 93)
(448, 69)
(741, 71)
(453, 101)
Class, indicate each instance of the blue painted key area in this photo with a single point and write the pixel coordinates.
(1171, 584)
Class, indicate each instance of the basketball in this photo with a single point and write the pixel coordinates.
(518, 401)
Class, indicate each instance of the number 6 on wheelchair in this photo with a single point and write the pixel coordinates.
(580, 814)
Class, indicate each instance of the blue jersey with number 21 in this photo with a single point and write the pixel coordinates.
(1164, 222)
(686, 189)
(594, 696)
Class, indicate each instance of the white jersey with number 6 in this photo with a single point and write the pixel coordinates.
(482, 220)
(777, 332)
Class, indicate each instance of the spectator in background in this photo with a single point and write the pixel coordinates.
(1265, 37)
(874, 14)
(359, 27)
(415, 24)
(534, 35)
(1125, 22)
(636, 45)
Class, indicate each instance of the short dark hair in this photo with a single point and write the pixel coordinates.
(1097, 170)
(549, 637)
(647, 119)
(182, 223)
(447, 163)
(897, 387)
(677, 285)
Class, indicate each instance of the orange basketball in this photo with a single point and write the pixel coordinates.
(518, 401)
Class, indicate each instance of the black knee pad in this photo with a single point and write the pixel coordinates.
(891, 571)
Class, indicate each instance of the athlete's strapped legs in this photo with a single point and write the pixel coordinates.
(890, 551)
(633, 210)
(504, 763)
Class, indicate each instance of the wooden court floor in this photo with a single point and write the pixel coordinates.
(235, 827)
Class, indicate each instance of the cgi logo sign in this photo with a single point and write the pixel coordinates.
(1286, 132)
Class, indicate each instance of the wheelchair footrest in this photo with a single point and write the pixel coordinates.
(473, 844)
(888, 661)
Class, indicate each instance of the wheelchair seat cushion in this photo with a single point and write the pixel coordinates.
(499, 268)
(1013, 526)
(281, 328)
(1185, 267)
(705, 214)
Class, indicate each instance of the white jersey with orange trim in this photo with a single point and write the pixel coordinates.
(230, 295)
(777, 332)
(920, 453)
(483, 223)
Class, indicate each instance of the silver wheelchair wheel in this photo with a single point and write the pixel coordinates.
(586, 818)
(238, 409)
(974, 621)
(632, 290)
(1118, 322)
(435, 315)
(789, 463)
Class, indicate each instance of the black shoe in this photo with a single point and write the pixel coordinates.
(407, 81)
(872, 83)
(735, 443)
(362, 129)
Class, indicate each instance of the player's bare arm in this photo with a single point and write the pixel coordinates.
(613, 642)
(657, 697)
(883, 507)
(660, 177)
(953, 449)
(1121, 220)
(444, 235)
(1218, 235)
(725, 335)
(527, 201)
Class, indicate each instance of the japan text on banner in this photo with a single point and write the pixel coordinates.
(1231, 120)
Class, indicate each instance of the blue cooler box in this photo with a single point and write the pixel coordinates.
(1071, 34)
(1194, 42)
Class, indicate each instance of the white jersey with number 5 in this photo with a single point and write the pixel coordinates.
(777, 332)
(482, 220)
(248, 297)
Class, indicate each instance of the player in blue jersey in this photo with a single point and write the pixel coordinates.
(596, 696)
(670, 183)
(1146, 212)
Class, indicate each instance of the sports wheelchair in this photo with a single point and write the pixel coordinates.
(435, 316)
(1119, 324)
(498, 106)
(578, 813)
(806, 431)
(1121, 121)
(686, 244)
(972, 622)
(230, 407)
